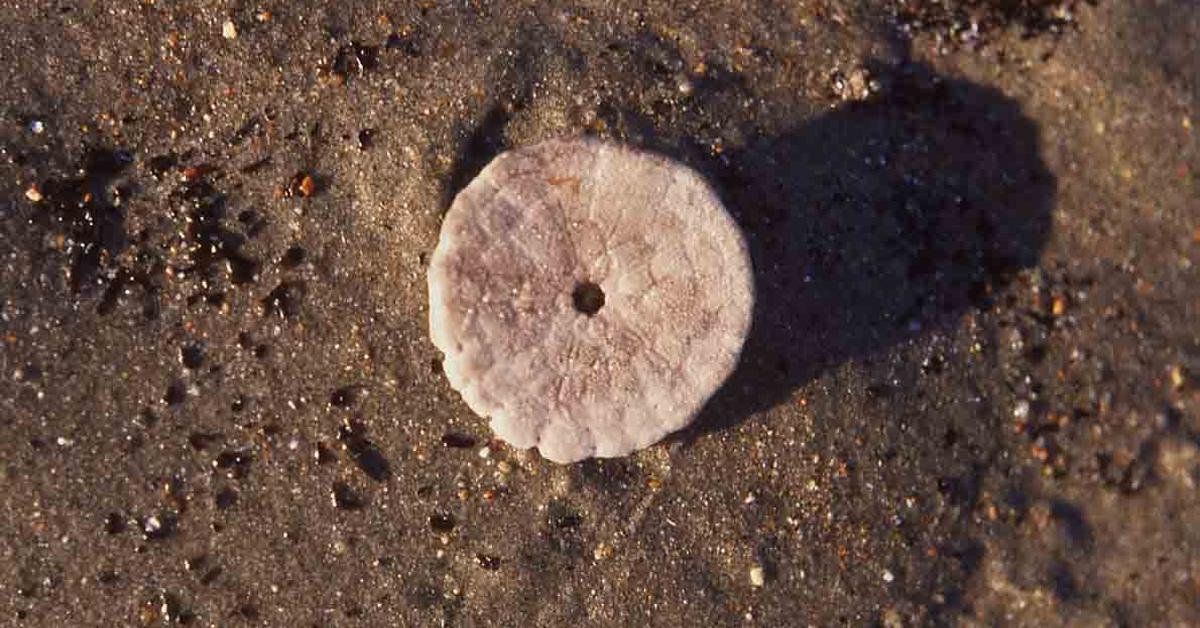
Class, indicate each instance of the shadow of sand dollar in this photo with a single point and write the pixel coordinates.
(882, 220)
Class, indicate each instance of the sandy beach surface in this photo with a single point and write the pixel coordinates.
(969, 397)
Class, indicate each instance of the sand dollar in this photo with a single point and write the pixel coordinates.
(588, 297)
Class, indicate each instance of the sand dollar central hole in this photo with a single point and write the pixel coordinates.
(588, 297)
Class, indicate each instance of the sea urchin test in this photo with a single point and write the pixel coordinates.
(589, 298)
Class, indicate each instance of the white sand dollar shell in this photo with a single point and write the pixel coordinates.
(515, 284)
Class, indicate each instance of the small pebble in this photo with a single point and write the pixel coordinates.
(487, 561)
(308, 186)
(685, 85)
(442, 522)
(1058, 305)
(37, 127)
(1177, 379)
(229, 30)
(888, 576)
(34, 194)
(757, 577)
